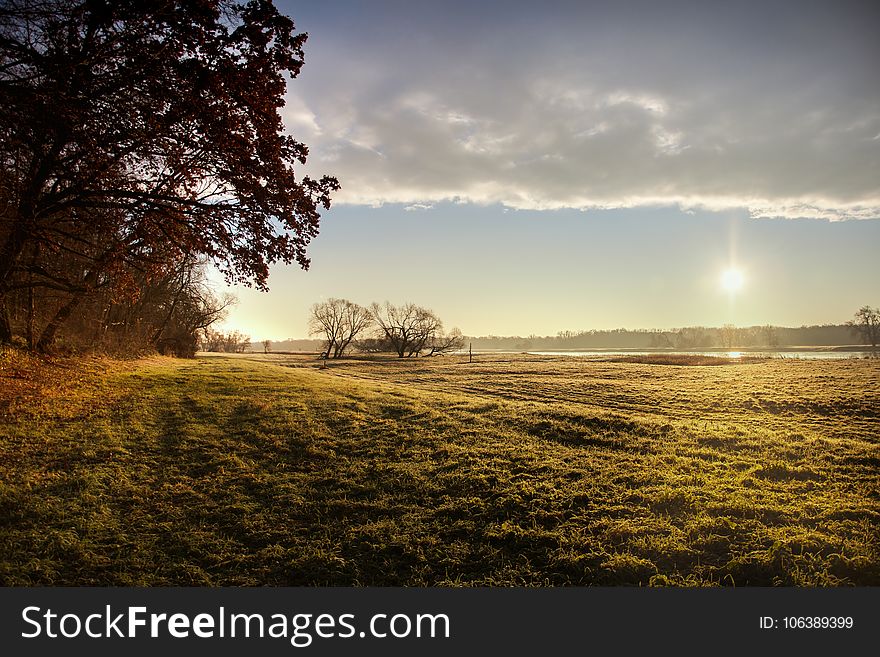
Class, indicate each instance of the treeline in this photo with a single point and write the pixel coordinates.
(233, 342)
(290, 344)
(166, 309)
(698, 337)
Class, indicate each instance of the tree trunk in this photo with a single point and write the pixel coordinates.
(11, 250)
(5, 325)
(161, 329)
(9, 255)
(31, 312)
(47, 338)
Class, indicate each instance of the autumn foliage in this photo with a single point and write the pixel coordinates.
(137, 137)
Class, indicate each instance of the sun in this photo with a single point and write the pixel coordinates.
(732, 279)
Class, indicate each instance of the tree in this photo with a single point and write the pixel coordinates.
(339, 321)
(172, 311)
(230, 343)
(866, 323)
(661, 339)
(133, 133)
(165, 312)
(770, 336)
(374, 345)
(691, 337)
(728, 336)
(267, 346)
(440, 343)
(410, 329)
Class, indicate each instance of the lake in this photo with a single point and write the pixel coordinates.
(796, 354)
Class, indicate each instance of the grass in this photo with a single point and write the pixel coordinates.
(512, 470)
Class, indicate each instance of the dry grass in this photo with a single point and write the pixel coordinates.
(507, 471)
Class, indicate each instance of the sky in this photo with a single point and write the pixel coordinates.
(527, 168)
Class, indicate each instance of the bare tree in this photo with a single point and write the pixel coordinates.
(339, 321)
(728, 336)
(267, 346)
(373, 345)
(183, 305)
(444, 343)
(326, 320)
(691, 337)
(410, 329)
(356, 319)
(230, 343)
(771, 338)
(166, 312)
(867, 324)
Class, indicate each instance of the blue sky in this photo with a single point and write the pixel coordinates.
(533, 168)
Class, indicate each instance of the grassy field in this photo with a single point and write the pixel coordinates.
(511, 470)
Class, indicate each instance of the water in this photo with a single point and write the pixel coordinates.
(805, 354)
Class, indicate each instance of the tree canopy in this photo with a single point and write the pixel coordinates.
(137, 134)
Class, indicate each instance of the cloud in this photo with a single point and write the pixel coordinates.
(419, 207)
(299, 119)
(713, 113)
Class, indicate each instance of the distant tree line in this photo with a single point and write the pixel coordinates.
(232, 342)
(411, 330)
(694, 337)
(290, 345)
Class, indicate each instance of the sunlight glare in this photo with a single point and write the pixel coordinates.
(732, 280)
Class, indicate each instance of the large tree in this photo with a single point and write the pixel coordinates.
(411, 330)
(867, 324)
(339, 322)
(135, 133)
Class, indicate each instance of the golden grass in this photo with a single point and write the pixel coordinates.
(507, 471)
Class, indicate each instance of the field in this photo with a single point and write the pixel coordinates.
(511, 470)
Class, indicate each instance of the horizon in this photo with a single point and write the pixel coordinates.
(574, 333)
